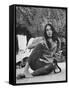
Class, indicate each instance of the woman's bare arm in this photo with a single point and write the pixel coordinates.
(34, 42)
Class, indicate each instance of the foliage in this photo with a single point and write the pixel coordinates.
(36, 18)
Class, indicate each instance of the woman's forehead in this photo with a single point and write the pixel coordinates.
(48, 27)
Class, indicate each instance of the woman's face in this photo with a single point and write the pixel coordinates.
(49, 31)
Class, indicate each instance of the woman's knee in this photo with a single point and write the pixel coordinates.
(37, 50)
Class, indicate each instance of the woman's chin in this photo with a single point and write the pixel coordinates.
(50, 36)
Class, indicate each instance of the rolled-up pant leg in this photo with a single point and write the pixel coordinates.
(34, 57)
(44, 70)
(40, 68)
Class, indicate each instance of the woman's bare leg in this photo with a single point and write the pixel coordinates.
(26, 71)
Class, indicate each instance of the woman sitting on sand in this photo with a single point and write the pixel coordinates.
(42, 59)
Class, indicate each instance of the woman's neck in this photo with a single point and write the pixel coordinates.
(50, 40)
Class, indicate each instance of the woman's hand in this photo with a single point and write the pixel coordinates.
(58, 54)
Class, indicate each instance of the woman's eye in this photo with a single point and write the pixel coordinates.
(48, 29)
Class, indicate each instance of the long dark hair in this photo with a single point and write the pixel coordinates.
(54, 35)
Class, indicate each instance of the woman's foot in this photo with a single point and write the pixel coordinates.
(24, 75)
(27, 74)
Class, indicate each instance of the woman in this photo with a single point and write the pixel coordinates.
(42, 59)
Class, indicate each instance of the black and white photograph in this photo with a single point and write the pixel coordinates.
(41, 44)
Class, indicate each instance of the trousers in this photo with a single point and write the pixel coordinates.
(39, 67)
